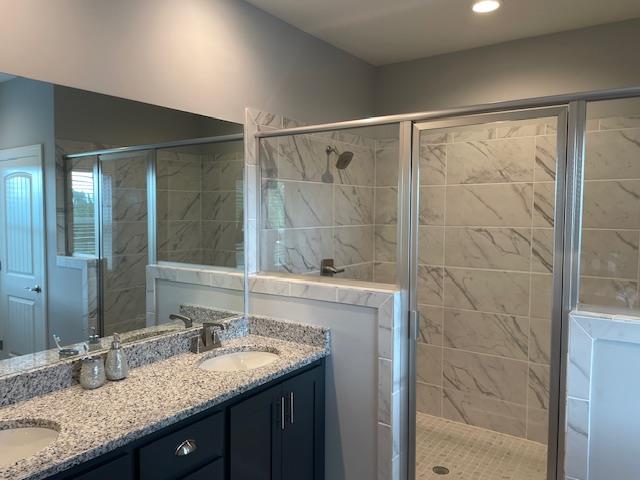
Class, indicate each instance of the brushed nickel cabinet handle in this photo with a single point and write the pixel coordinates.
(282, 400)
(291, 398)
(187, 447)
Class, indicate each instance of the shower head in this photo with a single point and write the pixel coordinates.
(344, 158)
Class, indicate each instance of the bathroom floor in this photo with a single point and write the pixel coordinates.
(472, 453)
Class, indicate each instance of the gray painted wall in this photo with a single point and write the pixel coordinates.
(26, 118)
(587, 59)
(212, 57)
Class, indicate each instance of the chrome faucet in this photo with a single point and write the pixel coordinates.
(209, 338)
(188, 323)
(328, 269)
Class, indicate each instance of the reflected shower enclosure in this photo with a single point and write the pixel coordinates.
(126, 208)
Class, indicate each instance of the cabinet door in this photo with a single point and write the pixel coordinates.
(303, 436)
(255, 438)
(121, 468)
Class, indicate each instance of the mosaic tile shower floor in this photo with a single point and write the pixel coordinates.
(472, 453)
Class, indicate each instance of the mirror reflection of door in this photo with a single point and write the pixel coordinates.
(22, 252)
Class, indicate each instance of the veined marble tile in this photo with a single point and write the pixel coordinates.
(606, 292)
(302, 250)
(386, 205)
(485, 412)
(182, 205)
(537, 425)
(296, 204)
(540, 340)
(430, 285)
(385, 272)
(303, 157)
(387, 153)
(435, 137)
(385, 243)
(496, 161)
(546, 158)
(611, 204)
(361, 170)
(495, 334)
(222, 235)
(577, 439)
(507, 205)
(125, 172)
(482, 247)
(231, 175)
(353, 244)
(619, 122)
(541, 295)
(429, 399)
(474, 132)
(542, 250)
(125, 271)
(612, 154)
(327, 293)
(579, 361)
(544, 201)
(431, 324)
(121, 306)
(211, 174)
(538, 396)
(363, 272)
(429, 364)
(182, 256)
(353, 205)
(178, 171)
(522, 128)
(433, 163)
(494, 377)
(129, 205)
(609, 253)
(181, 235)
(265, 119)
(487, 290)
(431, 205)
(269, 156)
(430, 245)
(126, 238)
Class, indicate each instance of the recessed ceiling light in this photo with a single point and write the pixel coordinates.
(486, 6)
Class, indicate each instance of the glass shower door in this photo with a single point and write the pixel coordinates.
(483, 272)
(124, 245)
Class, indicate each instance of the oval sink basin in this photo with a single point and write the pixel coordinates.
(21, 442)
(239, 361)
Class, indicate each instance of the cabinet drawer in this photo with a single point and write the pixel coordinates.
(162, 460)
(120, 468)
(213, 471)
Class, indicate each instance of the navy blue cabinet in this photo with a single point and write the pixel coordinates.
(278, 434)
(274, 432)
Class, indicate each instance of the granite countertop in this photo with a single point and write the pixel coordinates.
(94, 422)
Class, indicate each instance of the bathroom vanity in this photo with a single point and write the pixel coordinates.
(273, 432)
(252, 408)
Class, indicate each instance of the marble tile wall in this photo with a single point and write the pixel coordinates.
(610, 275)
(484, 275)
(308, 214)
(199, 206)
(124, 242)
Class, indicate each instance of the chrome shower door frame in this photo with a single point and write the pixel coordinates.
(564, 244)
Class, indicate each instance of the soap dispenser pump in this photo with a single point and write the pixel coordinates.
(116, 365)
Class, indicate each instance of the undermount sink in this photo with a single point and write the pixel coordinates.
(23, 440)
(238, 361)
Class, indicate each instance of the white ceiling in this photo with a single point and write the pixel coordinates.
(389, 31)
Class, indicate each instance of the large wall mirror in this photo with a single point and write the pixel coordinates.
(93, 190)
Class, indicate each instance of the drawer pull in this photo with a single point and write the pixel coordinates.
(282, 400)
(186, 447)
(291, 402)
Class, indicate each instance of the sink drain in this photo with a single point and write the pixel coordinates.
(439, 470)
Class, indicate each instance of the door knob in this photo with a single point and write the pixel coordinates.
(35, 288)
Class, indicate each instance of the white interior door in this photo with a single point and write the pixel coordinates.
(23, 326)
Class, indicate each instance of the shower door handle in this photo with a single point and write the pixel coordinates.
(34, 289)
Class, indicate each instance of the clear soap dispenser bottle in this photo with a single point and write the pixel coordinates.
(116, 365)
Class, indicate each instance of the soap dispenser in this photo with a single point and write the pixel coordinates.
(116, 365)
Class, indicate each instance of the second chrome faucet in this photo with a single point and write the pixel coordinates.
(209, 338)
